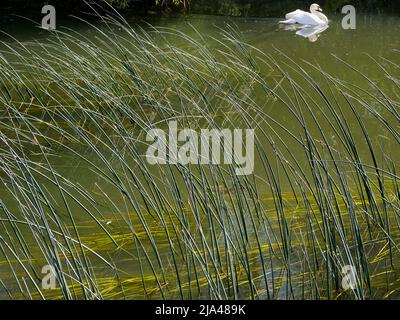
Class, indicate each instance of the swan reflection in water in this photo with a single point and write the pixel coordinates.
(312, 33)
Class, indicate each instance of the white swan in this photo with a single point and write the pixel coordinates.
(312, 18)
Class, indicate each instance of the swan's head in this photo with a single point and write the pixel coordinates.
(315, 8)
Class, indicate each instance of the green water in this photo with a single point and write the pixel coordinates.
(376, 37)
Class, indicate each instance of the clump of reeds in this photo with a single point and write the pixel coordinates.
(321, 196)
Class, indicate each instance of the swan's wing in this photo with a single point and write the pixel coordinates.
(308, 18)
(290, 15)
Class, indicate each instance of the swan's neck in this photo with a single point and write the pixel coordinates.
(321, 16)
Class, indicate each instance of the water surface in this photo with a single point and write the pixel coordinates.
(376, 37)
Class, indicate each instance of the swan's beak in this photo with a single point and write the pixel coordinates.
(319, 9)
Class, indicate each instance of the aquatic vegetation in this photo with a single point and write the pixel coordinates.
(324, 195)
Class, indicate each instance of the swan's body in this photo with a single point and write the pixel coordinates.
(305, 18)
(312, 18)
(290, 15)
